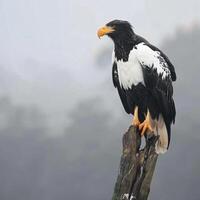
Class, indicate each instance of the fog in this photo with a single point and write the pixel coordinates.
(61, 120)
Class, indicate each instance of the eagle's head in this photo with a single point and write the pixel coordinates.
(119, 31)
(122, 34)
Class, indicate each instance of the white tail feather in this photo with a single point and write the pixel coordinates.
(162, 143)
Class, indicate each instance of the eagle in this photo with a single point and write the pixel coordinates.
(143, 76)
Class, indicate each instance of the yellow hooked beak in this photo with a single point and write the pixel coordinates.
(104, 31)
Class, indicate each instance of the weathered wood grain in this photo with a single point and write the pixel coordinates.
(136, 167)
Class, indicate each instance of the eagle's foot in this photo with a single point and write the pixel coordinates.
(136, 121)
(146, 125)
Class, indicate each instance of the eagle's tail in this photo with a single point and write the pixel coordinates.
(163, 141)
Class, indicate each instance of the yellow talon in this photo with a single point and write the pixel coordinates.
(146, 124)
(136, 121)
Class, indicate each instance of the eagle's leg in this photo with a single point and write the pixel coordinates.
(146, 124)
(136, 121)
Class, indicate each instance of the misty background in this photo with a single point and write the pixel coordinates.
(61, 120)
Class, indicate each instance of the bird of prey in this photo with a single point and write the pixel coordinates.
(143, 76)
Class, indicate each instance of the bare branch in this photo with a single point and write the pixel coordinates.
(136, 167)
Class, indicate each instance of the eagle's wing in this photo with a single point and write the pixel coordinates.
(170, 65)
(157, 78)
(121, 91)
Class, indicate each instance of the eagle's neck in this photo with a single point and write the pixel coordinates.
(123, 47)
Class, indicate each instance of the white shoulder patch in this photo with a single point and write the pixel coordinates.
(113, 56)
(150, 58)
(129, 72)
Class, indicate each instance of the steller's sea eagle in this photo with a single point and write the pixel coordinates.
(143, 76)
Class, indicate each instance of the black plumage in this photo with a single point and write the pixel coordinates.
(154, 92)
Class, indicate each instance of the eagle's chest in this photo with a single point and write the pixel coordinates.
(129, 72)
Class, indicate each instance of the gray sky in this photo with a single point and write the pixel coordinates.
(50, 56)
(62, 34)
(49, 48)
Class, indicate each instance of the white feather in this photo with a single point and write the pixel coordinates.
(162, 143)
(150, 58)
(129, 72)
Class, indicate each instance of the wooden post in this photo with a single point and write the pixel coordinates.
(136, 167)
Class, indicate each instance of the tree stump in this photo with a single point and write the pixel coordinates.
(136, 167)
